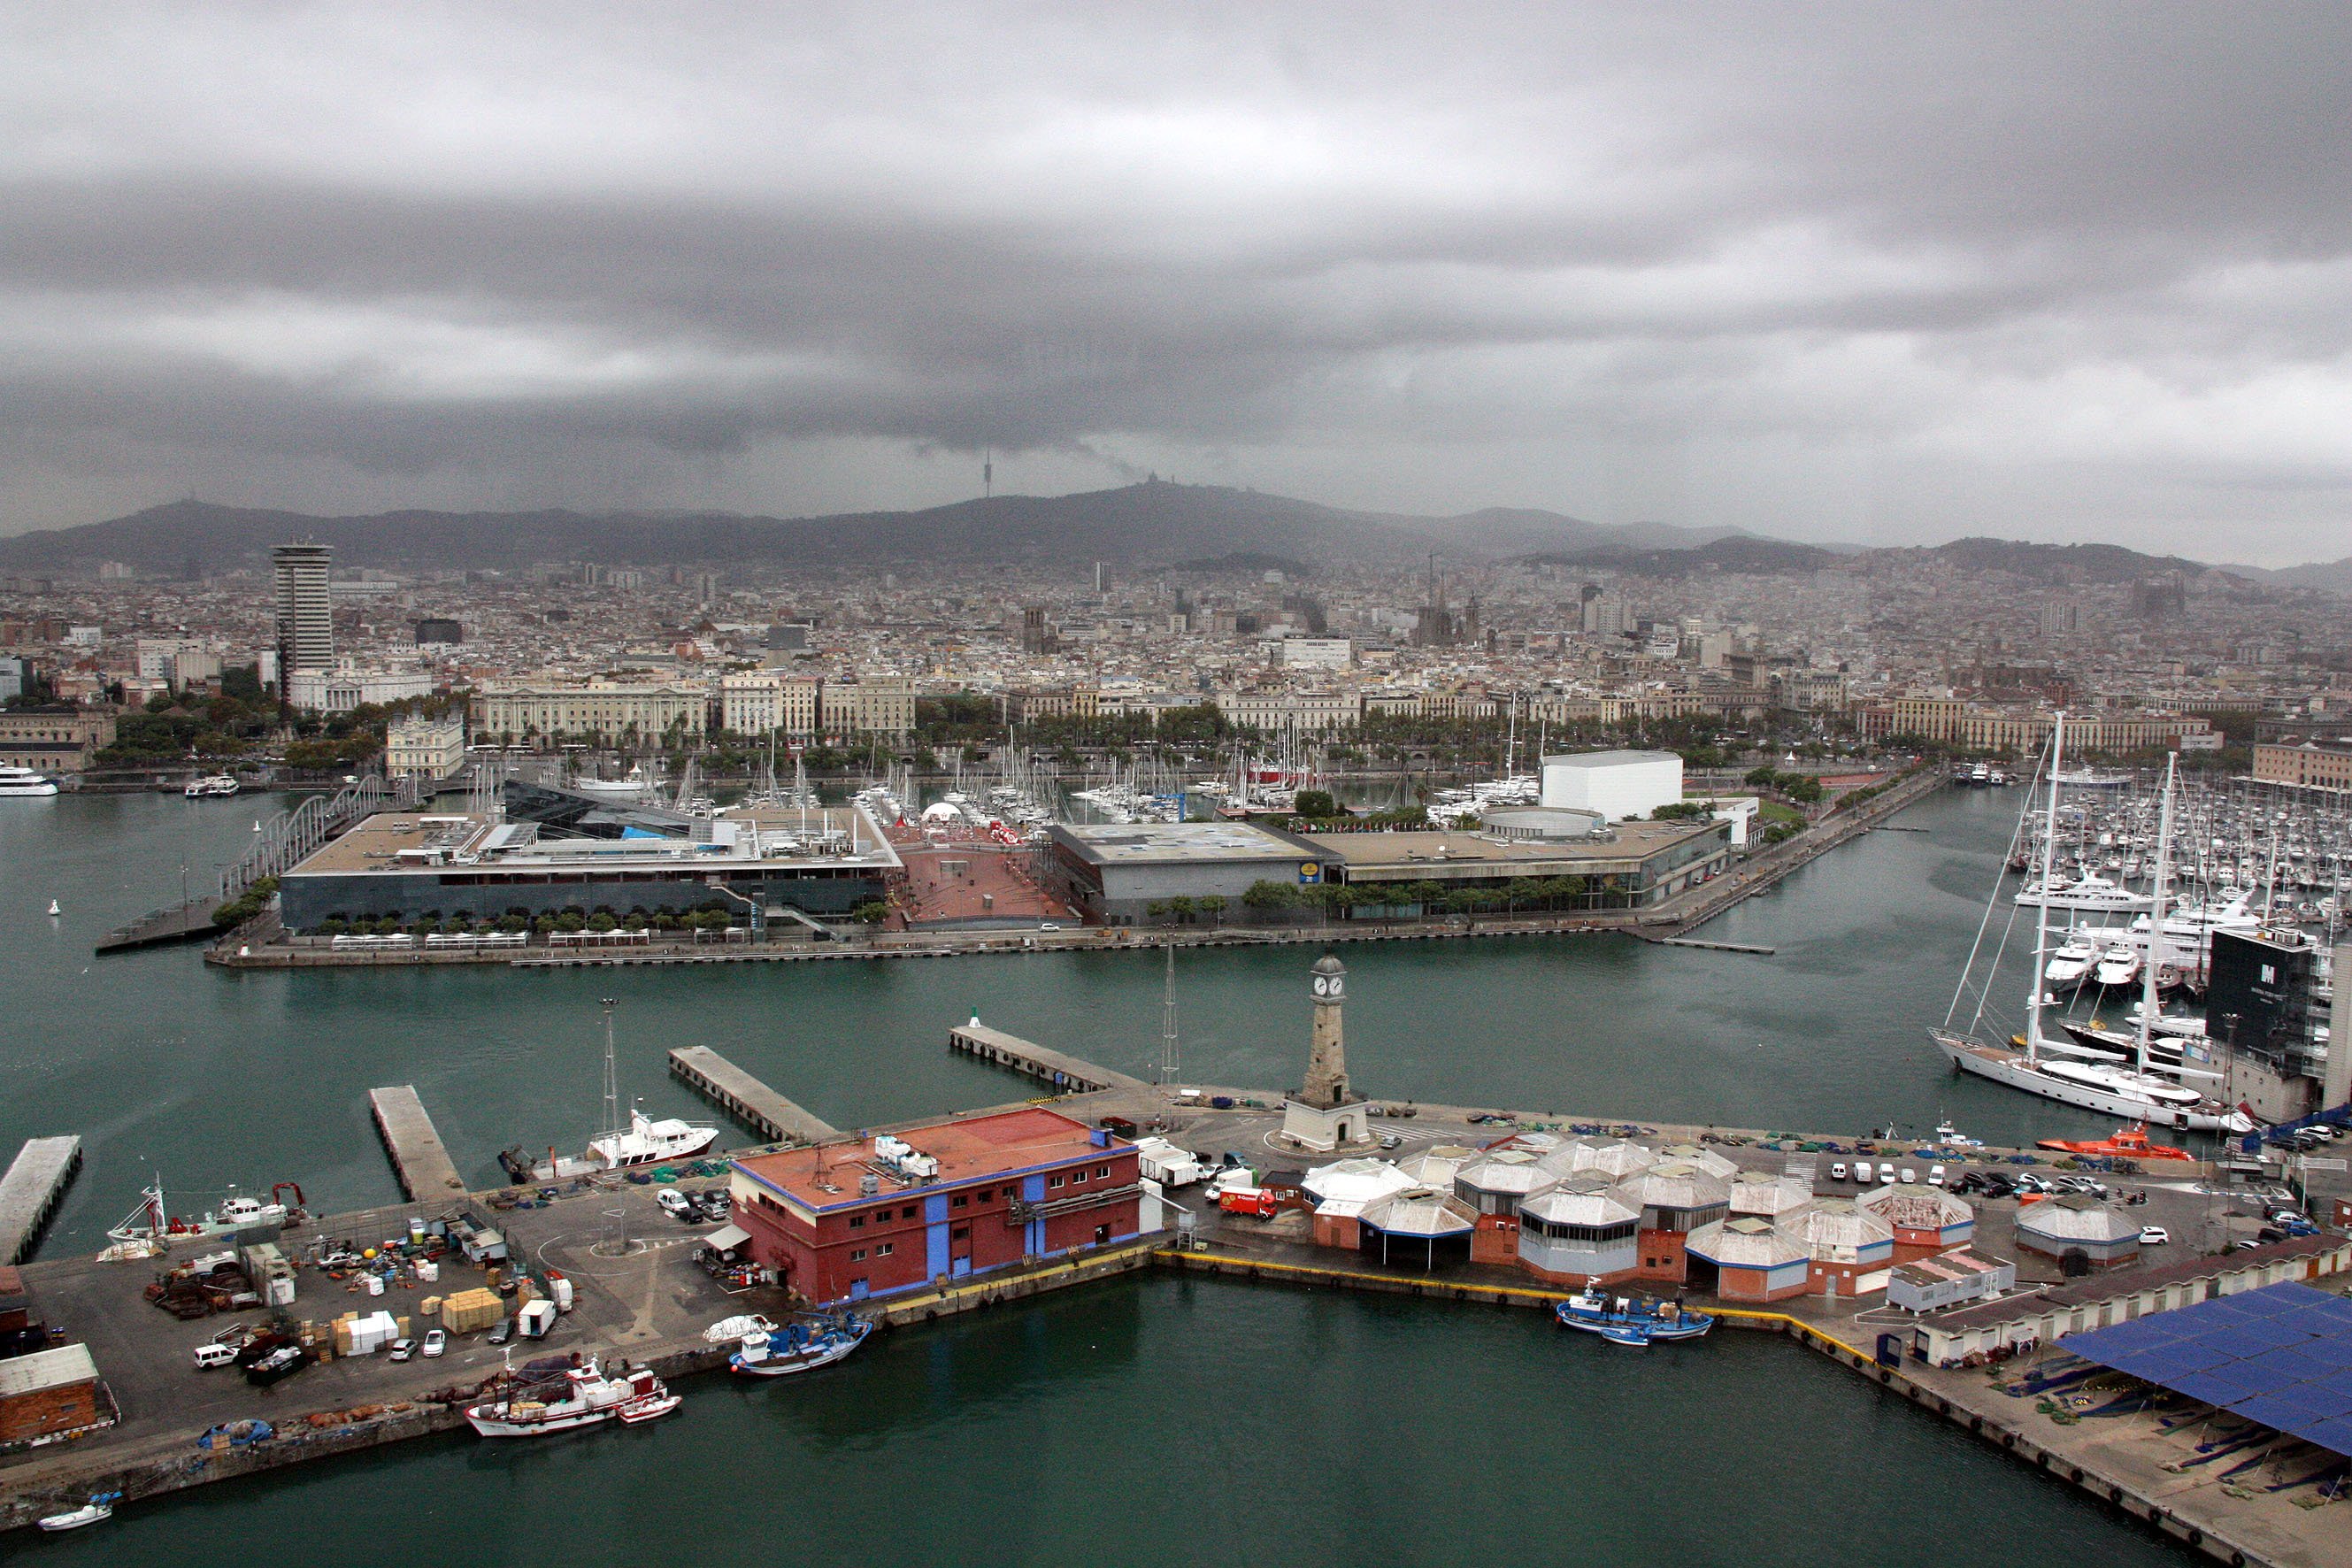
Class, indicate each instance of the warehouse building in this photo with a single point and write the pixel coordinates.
(1115, 874)
(411, 867)
(877, 1216)
(1617, 784)
(50, 1395)
(1418, 874)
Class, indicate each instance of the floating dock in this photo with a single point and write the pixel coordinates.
(745, 1097)
(44, 1168)
(1065, 1074)
(418, 1156)
(182, 923)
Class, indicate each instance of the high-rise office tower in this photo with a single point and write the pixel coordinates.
(306, 615)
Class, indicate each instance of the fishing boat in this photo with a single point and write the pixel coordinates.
(2125, 1142)
(1632, 1321)
(2058, 1068)
(642, 1141)
(800, 1347)
(98, 1507)
(559, 1395)
(147, 1230)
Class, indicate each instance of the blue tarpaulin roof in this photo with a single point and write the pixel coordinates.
(2282, 1356)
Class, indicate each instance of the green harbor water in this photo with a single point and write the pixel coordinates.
(1147, 1417)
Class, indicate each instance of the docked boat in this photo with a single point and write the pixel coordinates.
(2089, 892)
(1632, 1321)
(641, 1140)
(2091, 1078)
(215, 786)
(799, 1347)
(147, 1230)
(2071, 963)
(2118, 967)
(14, 780)
(2127, 1142)
(99, 1507)
(565, 1397)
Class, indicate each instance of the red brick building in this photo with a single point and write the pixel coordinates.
(50, 1394)
(859, 1217)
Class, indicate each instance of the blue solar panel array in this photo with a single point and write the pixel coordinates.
(2282, 1356)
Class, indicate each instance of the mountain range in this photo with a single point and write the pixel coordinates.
(1152, 524)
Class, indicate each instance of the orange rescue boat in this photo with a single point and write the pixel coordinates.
(2130, 1142)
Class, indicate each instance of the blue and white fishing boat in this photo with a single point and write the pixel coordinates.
(1632, 1321)
(800, 1347)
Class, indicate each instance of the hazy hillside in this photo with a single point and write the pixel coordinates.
(1151, 524)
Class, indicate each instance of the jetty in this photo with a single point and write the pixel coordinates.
(1064, 1073)
(37, 1179)
(418, 1156)
(181, 922)
(745, 1097)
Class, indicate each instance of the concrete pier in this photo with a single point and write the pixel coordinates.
(418, 1156)
(745, 1097)
(182, 923)
(1065, 1074)
(44, 1168)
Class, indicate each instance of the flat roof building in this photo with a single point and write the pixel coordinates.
(1115, 873)
(864, 1217)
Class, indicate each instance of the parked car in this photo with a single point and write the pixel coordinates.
(403, 1349)
(1837, 1170)
(501, 1331)
(1907, 1176)
(674, 1204)
(1390, 1141)
(1935, 1176)
(1862, 1171)
(212, 1355)
(435, 1342)
(2154, 1236)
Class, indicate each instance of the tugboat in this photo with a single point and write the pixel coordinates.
(562, 1394)
(2129, 1143)
(1631, 1321)
(798, 1347)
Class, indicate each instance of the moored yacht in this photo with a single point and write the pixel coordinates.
(14, 780)
(2070, 965)
(2118, 967)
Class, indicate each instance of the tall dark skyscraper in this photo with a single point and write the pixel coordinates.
(306, 616)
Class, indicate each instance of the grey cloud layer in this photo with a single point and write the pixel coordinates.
(2075, 272)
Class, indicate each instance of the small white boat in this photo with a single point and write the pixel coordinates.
(798, 1348)
(25, 781)
(211, 787)
(96, 1509)
(53, 908)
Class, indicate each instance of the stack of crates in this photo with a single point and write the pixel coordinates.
(468, 1311)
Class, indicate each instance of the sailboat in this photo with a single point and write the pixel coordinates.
(2058, 1069)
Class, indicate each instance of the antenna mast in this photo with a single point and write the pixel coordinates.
(1168, 1024)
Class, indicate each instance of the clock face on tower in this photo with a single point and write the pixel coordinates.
(1327, 986)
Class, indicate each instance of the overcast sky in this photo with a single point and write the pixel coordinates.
(1888, 274)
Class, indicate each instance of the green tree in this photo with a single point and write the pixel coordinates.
(1213, 906)
(1315, 804)
(872, 912)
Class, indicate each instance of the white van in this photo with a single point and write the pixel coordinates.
(1935, 1176)
(1908, 1175)
(1837, 1170)
(214, 1355)
(1862, 1171)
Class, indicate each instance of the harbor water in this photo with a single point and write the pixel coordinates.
(1323, 1427)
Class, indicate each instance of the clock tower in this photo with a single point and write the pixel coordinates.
(1326, 1058)
(1327, 1116)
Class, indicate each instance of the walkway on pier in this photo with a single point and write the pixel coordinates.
(37, 1178)
(745, 1097)
(418, 1156)
(1066, 1074)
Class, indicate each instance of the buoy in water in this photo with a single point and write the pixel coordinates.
(53, 908)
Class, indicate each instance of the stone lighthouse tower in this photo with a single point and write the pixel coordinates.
(1327, 1115)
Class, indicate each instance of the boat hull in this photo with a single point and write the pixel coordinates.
(786, 1364)
(2010, 1068)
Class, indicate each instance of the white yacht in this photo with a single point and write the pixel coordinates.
(2071, 963)
(2118, 966)
(25, 781)
(211, 787)
(2092, 892)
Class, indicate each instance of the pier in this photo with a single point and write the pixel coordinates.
(1065, 1074)
(418, 1156)
(1712, 946)
(745, 1097)
(181, 922)
(44, 1168)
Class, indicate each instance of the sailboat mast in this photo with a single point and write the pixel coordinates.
(2148, 998)
(612, 1074)
(1168, 1024)
(2042, 909)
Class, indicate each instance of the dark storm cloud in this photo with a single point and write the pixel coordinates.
(2096, 261)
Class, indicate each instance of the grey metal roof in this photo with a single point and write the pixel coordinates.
(1421, 1212)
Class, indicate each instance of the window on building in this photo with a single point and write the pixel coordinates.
(1077, 1175)
(1055, 1182)
(960, 1233)
(1103, 1171)
(885, 1249)
(961, 1202)
(1013, 1192)
(907, 1213)
(858, 1255)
